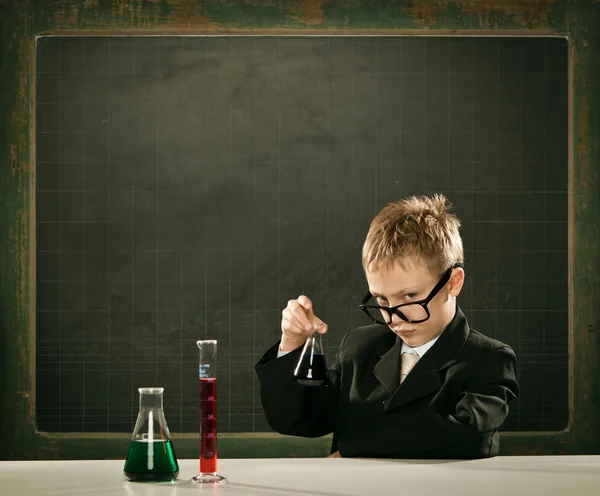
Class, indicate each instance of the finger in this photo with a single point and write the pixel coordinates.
(291, 324)
(299, 311)
(307, 304)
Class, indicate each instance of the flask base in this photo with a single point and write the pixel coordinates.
(209, 478)
(150, 477)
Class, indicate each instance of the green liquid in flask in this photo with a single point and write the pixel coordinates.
(151, 462)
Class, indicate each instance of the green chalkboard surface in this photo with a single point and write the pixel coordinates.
(187, 187)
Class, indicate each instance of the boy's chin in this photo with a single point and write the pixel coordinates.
(411, 338)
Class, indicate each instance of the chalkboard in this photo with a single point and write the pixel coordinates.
(187, 187)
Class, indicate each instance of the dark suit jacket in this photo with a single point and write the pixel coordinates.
(449, 406)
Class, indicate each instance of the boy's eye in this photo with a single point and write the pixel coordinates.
(382, 301)
(408, 296)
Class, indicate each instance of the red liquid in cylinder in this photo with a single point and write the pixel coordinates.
(208, 425)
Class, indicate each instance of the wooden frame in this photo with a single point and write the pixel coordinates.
(24, 20)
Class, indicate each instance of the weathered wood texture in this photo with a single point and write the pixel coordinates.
(23, 20)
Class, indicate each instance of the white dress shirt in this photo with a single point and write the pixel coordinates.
(281, 353)
(420, 350)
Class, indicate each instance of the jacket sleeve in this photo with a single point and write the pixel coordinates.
(291, 408)
(468, 432)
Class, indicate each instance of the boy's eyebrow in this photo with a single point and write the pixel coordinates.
(398, 293)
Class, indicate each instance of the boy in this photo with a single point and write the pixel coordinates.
(418, 383)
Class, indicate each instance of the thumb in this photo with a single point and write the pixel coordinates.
(322, 327)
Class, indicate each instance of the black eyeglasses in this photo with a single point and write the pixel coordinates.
(413, 312)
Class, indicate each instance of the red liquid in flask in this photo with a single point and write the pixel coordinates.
(208, 425)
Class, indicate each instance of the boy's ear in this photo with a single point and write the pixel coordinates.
(456, 281)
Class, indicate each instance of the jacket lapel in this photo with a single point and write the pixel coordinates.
(426, 376)
(387, 370)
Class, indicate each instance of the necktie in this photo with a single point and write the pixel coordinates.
(409, 360)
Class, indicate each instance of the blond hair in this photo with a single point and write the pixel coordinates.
(417, 228)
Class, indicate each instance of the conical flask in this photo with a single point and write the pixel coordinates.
(151, 455)
(311, 369)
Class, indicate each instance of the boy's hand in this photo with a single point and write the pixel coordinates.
(335, 455)
(296, 323)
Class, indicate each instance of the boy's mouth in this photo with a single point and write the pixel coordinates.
(404, 332)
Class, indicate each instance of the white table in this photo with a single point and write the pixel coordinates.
(500, 476)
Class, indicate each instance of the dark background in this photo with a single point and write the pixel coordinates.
(188, 187)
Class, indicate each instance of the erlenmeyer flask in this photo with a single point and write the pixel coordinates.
(151, 455)
(311, 369)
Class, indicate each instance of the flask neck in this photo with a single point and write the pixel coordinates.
(314, 344)
(151, 398)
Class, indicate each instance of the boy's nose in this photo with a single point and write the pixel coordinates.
(396, 320)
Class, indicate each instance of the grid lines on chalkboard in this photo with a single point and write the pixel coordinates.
(165, 146)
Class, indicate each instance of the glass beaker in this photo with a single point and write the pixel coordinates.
(151, 456)
(207, 372)
(311, 369)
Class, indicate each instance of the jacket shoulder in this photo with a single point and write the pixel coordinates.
(480, 343)
(365, 338)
